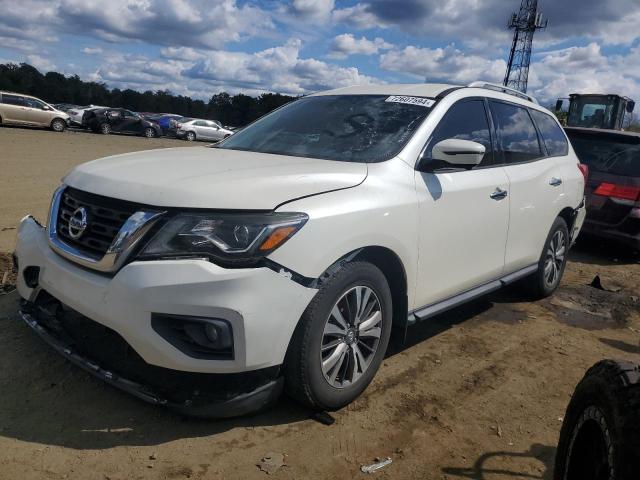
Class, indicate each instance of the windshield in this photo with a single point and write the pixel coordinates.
(591, 112)
(608, 155)
(347, 128)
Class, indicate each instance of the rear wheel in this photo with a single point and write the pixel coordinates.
(190, 137)
(149, 132)
(600, 435)
(552, 262)
(341, 339)
(58, 125)
(105, 128)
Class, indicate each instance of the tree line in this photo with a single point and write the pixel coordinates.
(54, 87)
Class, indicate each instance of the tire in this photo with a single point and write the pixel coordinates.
(538, 284)
(149, 132)
(190, 136)
(600, 435)
(318, 338)
(105, 128)
(58, 125)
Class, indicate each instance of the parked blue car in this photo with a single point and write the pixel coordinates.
(164, 120)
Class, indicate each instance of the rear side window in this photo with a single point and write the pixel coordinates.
(33, 103)
(618, 155)
(466, 120)
(13, 100)
(517, 136)
(552, 135)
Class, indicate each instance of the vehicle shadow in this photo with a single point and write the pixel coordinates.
(49, 401)
(434, 326)
(597, 251)
(488, 464)
(621, 345)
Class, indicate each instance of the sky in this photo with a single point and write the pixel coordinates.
(202, 47)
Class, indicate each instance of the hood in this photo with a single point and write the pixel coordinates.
(201, 177)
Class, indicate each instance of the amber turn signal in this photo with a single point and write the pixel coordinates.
(276, 237)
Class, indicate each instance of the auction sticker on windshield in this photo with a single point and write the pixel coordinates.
(425, 102)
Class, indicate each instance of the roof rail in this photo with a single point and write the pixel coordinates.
(501, 88)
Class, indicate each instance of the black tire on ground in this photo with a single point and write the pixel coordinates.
(149, 132)
(539, 285)
(105, 128)
(305, 380)
(600, 436)
(190, 137)
(58, 125)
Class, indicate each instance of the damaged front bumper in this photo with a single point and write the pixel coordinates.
(241, 394)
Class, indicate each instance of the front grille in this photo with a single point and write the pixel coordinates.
(105, 217)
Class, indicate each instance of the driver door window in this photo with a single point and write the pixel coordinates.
(465, 120)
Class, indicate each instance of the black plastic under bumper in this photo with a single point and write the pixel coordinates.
(253, 395)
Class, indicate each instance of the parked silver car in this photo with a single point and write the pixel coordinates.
(197, 129)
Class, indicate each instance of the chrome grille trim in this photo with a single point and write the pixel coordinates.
(127, 237)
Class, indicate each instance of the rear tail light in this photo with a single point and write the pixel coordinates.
(584, 169)
(628, 193)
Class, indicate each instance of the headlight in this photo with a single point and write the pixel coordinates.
(229, 238)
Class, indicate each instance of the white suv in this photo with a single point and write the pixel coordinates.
(209, 279)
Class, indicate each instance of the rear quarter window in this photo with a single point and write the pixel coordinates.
(13, 100)
(552, 134)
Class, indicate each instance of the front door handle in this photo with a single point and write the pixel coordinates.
(499, 194)
(555, 182)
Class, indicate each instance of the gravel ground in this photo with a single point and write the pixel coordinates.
(476, 393)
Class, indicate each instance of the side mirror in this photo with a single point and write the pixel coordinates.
(630, 106)
(458, 153)
(47, 108)
(559, 105)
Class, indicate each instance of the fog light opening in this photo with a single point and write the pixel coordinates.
(197, 337)
(31, 276)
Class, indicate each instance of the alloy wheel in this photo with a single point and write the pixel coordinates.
(555, 257)
(351, 336)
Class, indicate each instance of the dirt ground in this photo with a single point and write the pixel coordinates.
(477, 393)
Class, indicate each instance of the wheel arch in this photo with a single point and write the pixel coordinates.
(389, 264)
(568, 214)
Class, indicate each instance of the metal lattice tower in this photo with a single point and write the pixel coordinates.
(525, 23)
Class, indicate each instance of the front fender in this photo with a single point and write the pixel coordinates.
(382, 211)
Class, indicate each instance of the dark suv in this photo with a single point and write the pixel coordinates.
(613, 189)
(120, 120)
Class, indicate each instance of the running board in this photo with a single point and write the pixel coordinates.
(452, 302)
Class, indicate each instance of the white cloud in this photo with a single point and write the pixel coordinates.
(584, 70)
(346, 44)
(92, 51)
(449, 65)
(181, 53)
(314, 10)
(41, 63)
(191, 23)
(278, 69)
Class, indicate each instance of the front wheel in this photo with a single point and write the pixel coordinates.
(552, 262)
(105, 129)
(341, 339)
(149, 132)
(58, 125)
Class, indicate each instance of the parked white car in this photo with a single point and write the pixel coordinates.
(283, 257)
(198, 129)
(76, 114)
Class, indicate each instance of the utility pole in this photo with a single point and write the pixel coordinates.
(524, 23)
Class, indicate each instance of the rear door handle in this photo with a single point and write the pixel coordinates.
(499, 194)
(555, 182)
